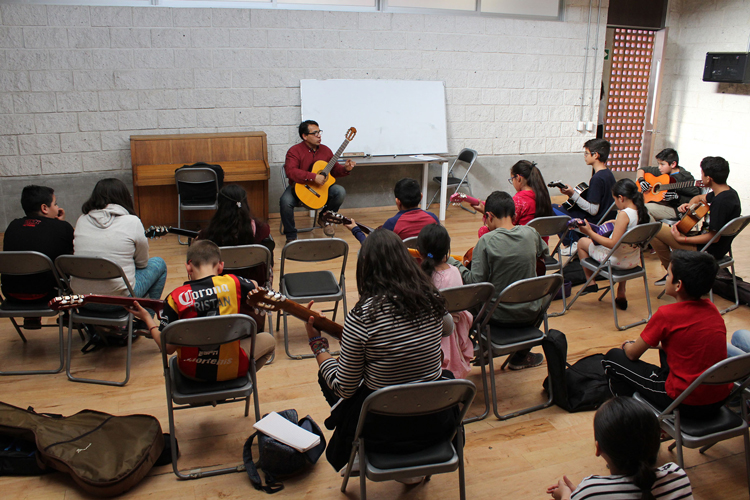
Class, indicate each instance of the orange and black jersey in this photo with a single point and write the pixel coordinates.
(211, 296)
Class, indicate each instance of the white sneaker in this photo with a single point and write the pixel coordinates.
(571, 250)
(329, 229)
(355, 467)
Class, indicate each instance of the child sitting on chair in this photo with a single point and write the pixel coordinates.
(208, 293)
(692, 336)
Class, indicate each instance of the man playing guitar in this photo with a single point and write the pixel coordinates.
(297, 167)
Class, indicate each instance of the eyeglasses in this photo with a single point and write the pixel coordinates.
(510, 181)
(316, 133)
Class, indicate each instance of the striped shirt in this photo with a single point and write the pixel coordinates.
(671, 483)
(384, 350)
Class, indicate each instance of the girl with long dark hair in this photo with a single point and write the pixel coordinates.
(434, 245)
(109, 228)
(391, 336)
(626, 434)
(631, 212)
(233, 223)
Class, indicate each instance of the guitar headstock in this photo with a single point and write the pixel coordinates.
(66, 302)
(457, 198)
(265, 299)
(156, 231)
(351, 133)
(334, 218)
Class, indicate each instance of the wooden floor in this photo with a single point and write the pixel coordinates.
(513, 459)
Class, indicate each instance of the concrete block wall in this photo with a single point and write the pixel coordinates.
(700, 118)
(77, 81)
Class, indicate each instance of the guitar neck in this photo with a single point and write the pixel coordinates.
(79, 300)
(677, 185)
(321, 323)
(335, 158)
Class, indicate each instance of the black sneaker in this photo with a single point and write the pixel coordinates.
(531, 360)
(32, 323)
(590, 289)
(661, 282)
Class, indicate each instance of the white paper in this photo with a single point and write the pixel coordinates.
(283, 430)
(426, 158)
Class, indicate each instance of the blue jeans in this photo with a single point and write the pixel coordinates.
(740, 343)
(149, 281)
(289, 201)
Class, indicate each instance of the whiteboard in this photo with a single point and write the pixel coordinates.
(392, 117)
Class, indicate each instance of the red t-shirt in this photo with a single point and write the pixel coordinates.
(694, 338)
(525, 202)
(300, 159)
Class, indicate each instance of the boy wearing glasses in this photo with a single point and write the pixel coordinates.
(594, 203)
(298, 169)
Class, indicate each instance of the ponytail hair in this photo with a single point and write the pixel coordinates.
(629, 189)
(628, 433)
(529, 171)
(434, 244)
(232, 223)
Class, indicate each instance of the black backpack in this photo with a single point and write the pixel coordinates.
(724, 288)
(278, 459)
(578, 387)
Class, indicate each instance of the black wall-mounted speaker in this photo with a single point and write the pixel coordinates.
(727, 67)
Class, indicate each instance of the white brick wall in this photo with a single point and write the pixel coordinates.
(77, 81)
(700, 118)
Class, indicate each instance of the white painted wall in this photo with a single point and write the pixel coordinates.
(77, 81)
(699, 118)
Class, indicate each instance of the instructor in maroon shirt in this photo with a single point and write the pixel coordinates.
(298, 165)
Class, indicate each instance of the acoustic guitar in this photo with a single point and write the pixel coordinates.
(315, 197)
(159, 231)
(660, 185)
(694, 214)
(337, 218)
(265, 299)
(580, 189)
(73, 301)
(457, 198)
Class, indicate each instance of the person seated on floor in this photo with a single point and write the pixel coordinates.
(740, 343)
(626, 436)
(391, 336)
(725, 206)
(668, 160)
(508, 253)
(226, 296)
(631, 212)
(592, 204)
(691, 335)
(42, 230)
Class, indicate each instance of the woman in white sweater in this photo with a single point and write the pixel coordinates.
(109, 228)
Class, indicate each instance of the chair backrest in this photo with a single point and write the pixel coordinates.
(467, 156)
(548, 226)
(525, 291)
(411, 242)
(461, 298)
(90, 268)
(28, 262)
(245, 256)
(640, 234)
(208, 331)
(197, 175)
(605, 215)
(315, 250)
(419, 399)
(731, 228)
(730, 370)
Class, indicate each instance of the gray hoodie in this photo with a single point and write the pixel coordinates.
(116, 235)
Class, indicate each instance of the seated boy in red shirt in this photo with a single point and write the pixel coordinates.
(209, 294)
(693, 338)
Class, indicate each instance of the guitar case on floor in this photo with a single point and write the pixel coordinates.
(105, 454)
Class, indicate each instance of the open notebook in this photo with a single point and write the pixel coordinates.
(283, 430)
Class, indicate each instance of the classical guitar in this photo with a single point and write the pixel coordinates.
(159, 231)
(266, 299)
(691, 217)
(457, 198)
(72, 301)
(337, 218)
(660, 185)
(315, 197)
(580, 189)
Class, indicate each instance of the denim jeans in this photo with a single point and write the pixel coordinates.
(149, 281)
(740, 343)
(289, 201)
